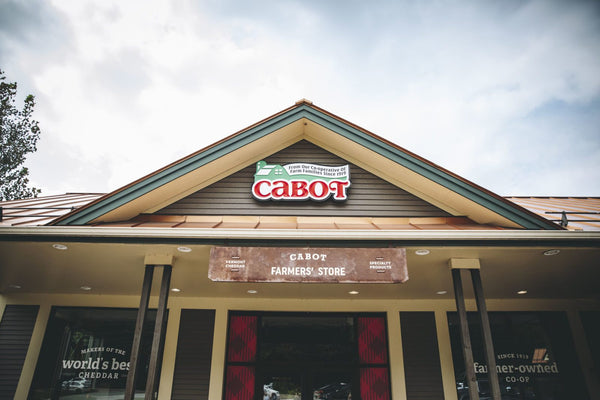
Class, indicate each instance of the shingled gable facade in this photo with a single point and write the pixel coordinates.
(300, 258)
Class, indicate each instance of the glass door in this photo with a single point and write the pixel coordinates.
(306, 356)
(308, 383)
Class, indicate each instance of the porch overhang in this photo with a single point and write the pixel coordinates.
(110, 260)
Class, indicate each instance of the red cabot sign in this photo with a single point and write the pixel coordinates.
(319, 265)
(300, 181)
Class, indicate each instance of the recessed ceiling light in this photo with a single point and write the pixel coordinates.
(354, 292)
(86, 288)
(522, 292)
(552, 252)
(422, 252)
(252, 291)
(442, 292)
(12, 286)
(176, 290)
(59, 246)
(184, 249)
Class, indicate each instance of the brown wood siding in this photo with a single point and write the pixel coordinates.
(194, 355)
(421, 356)
(15, 333)
(368, 195)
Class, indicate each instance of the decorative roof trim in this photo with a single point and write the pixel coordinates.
(304, 109)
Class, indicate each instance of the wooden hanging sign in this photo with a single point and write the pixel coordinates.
(316, 265)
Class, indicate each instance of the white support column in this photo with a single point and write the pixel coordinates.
(446, 361)
(397, 374)
(217, 370)
(35, 345)
(158, 340)
(170, 351)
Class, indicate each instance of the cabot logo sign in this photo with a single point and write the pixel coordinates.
(300, 181)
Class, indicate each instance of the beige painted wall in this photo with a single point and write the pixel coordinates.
(223, 305)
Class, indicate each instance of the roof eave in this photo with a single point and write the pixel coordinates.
(517, 238)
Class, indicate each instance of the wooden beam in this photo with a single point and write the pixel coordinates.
(465, 338)
(134, 359)
(159, 335)
(488, 346)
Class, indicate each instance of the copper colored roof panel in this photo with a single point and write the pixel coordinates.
(437, 227)
(582, 213)
(393, 223)
(316, 223)
(42, 210)
(354, 223)
(238, 222)
(201, 221)
(124, 224)
(269, 222)
(291, 222)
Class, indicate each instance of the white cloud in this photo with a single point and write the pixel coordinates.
(134, 86)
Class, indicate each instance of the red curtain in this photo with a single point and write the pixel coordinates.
(374, 383)
(372, 342)
(240, 379)
(242, 338)
(372, 354)
(240, 382)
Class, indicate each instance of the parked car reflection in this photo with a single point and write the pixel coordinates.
(485, 392)
(269, 393)
(76, 385)
(333, 391)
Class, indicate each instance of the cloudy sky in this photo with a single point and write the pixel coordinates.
(504, 93)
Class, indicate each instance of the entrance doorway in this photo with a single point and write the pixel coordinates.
(307, 356)
(308, 382)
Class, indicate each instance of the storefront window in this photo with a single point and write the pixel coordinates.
(85, 354)
(591, 325)
(273, 356)
(535, 356)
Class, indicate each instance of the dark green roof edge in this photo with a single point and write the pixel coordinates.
(113, 201)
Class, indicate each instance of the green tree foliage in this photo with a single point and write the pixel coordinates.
(18, 137)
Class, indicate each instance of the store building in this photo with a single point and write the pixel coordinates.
(300, 258)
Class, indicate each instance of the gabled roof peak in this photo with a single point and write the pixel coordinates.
(305, 121)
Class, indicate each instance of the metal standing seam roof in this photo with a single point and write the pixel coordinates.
(42, 210)
(583, 213)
